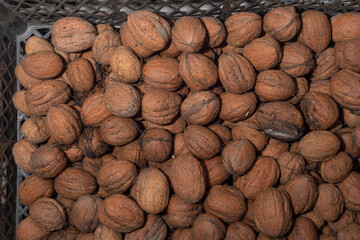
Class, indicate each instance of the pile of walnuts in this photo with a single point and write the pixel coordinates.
(192, 129)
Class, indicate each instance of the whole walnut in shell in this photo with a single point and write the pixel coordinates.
(80, 75)
(157, 144)
(215, 31)
(116, 176)
(73, 183)
(47, 161)
(280, 120)
(34, 188)
(337, 168)
(127, 39)
(72, 34)
(160, 106)
(215, 171)
(92, 165)
(330, 202)
(154, 228)
(319, 110)
(315, 30)
(188, 34)
(200, 108)
(350, 189)
(251, 131)
(201, 141)
(22, 152)
(42, 96)
(264, 174)
(223, 132)
(274, 85)
(225, 202)
(345, 26)
(198, 71)
(350, 232)
(151, 190)
(120, 213)
(20, 102)
(303, 228)
(346, 55)
(325, 65)
(63, 123)
(84, 213)
(180, 213)
(273, 204)
(235, 107)
(322, 86)
(47, 213)
(125, 64)
(348, 217)
(91, 143)
(275, 148)
(187, 178)
(297, 59)
(236, 73)
(319, 145)
(69, 233)
(35, 130)
(162, 72)
(239, 230)
(27, 229)
(118, 131)
(238, 156)
(263, 53)
(25, 79)
(103, 232)
(104, 46)
(242, 28)
(93, 110)
(282, 23)
(43, 65)
(302, 191)
(131, 152)
(291, 165)
(37, 44)
(207, 226)
(347, 143)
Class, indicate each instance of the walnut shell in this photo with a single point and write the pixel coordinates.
(280, 120)
(182, 234)
(42, 96)
(297, 59)
(34, 188)
(120, 213)
(35, 130)
(80, 75)
(346, 55)
(188, 34)
(282, 23)
(207, 226)
(275, 148)
(104, 45)
(72, 34)
(187, 177)
(63, 123)
(274, 85)
(160, 106)
(239, 230)
(74, 182)
(92, 165)
(149, 29)
(116, 176)
(325, 65)
(84, 213)
(157, 144)
(343, 87)
(251, 131)
(125, 64)
(118, 131)
(319, 110)
(273, 204)
(350, 119)
(337, 168)
(347, 143)
(20, 102)
(86, 236)
(103, 232)
(69, 233)
(302, 191)
(93, 110)
(25, 79)
(225, 202)
(215, 171)
(91, 143)
(319, 146)
(303, 228)
(348, 217)
(131, 152)
(315, 30)
(43, 65)
(330, 202)
(319, 223)
(263, 53)
(27, 229)
(236, 73)
(238, 156)
(151, 190)
(345, 26)
(215, 31)
(242, 28)
(200, 108)
(198, 71)
(350, 232)
(235, 107)
(179, 145)
(322, 86)
(37, 44)
(177, 126)
(262, 236)
(291, 165)
(350, 189)
(264, 174)
(47, 161)
(48, 214)
(223, 132)
(201, 141)
(154, 228)
(181, 213)
(128, 40)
